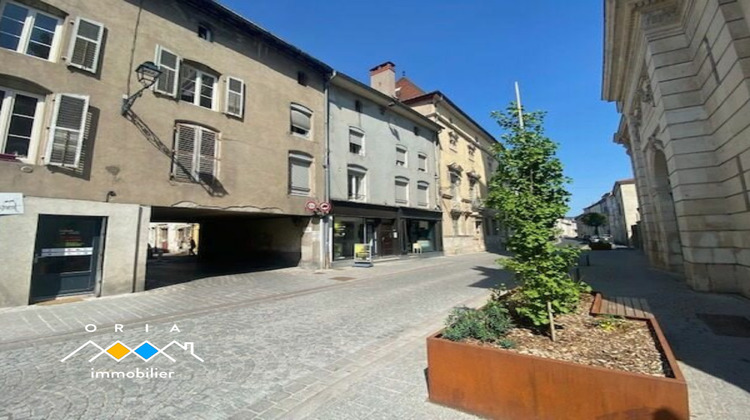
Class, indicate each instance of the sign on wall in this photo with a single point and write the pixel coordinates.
(11, 203)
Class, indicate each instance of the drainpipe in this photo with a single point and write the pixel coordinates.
(325, 225)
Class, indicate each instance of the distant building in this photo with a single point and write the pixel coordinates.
(567, 227)
(620, 207)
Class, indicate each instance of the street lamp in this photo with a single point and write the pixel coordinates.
(148, 74)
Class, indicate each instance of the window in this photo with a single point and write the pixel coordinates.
(422, 194)
(472, 149)
(169, 63)
(416, 130)
(85, 45)
(299, 173)
(422, 162)
(235, 104)
(356, 141)
(400, 156)
(301, 120)
(197, 87)
(204, 32)
(402, 190)
(358, 105)
(66, 133)
(196, 154)
(473, 190)
(302, 78)
(453, 139)
(356, 182)
(28, 31)
(455, 183)
(20, 123)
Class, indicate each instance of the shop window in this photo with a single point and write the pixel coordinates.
(196, 156)
(299, 173)
(29, 31)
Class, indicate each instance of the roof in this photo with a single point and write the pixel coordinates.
(407, 89)
(440, 95)
(347, 82)
(220, 11)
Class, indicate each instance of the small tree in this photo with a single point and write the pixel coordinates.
(594, 220)
(528, 190)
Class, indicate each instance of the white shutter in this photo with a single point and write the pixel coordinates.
(207, 155)
(85, 45)
(356, 137)
(235, 98)
(422, 189)
(301, 117)
(169, 63)
(299, 174)
(400, 156)
(184, 153)
(401, 191)
(66, 133)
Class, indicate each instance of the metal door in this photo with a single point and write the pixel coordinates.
(66, 256)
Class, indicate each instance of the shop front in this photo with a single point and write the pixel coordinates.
(388, 230)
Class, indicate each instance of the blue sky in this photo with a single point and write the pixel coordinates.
(473, 51)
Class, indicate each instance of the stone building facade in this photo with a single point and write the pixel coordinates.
(384, 182)
(231, 137)
(679, 71)
(466, 162)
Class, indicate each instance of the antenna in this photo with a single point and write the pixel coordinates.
(518, 103)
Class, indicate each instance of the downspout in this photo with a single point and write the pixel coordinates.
(325, 227)
(438, 178)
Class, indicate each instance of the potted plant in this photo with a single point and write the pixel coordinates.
(490, 361)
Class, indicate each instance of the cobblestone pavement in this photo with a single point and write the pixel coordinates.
(716, 368)
(284, 350)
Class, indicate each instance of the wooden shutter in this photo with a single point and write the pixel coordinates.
(207, 163)
(66, 133)
(85, 45)
(235, 104)
(184, 153)
(169, 63)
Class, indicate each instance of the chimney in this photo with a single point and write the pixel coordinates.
(383, 78)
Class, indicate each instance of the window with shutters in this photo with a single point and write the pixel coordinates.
(423, 199)
(235, 97)
(400, 156)
(66, 132)
(85, 45)
(196, 154)
(356, 183)
(356, 141)
(21, 117)
(301, 120)
(169, 64)
(402, 190)
(422, 162)
(299, 173)
(29, 31)
(197, 87)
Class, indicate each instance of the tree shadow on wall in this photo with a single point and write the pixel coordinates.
(209, 182)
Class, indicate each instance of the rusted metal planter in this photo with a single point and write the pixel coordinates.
(503, 384)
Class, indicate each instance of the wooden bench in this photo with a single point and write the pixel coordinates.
(626, 306)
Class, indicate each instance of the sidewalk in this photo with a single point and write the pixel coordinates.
(22, 325)
(716, 367)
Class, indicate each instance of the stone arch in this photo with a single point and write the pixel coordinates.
(668, 246)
